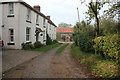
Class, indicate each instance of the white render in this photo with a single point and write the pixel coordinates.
(1, 20)
(51, 30)
(18, 24)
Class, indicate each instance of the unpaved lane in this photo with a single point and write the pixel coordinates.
(49, 65)
(35, 68)
(63, 65)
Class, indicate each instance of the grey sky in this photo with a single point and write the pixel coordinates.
(61, 10)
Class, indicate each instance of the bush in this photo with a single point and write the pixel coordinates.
(38, 44)
(63, 38)
(98, 66)
(27, 46)
(55, 41)
(48, 41)
(84, 41)
(107, 46)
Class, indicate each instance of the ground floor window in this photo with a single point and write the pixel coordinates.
(27, 34)
(11, 35)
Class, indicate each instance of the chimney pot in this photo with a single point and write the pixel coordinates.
(37, 7)
(48, 17)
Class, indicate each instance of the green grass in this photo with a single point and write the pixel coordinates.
(47, 47)
(98, 66)
(61, 48)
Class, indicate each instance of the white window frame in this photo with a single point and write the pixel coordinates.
(44, 35)
(28, 14)
(11, 35)
(37, 19)
(43, 21)
(11, 8)
(27, 35)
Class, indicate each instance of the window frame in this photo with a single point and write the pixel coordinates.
(28, 14)
(43, 21)
(11, 35)
(11, 8)
(27, 34)
(37, 19)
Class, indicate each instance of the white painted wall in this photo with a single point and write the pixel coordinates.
(10, 23)
(1, 20)
(19, 24)
(51, 30)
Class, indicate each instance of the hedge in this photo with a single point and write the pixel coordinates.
(107, 46)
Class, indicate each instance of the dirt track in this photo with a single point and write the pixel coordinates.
(49, 65)
(64, 65)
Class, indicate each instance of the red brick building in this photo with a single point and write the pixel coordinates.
(65, 34)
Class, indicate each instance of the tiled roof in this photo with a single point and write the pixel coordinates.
(64, 30)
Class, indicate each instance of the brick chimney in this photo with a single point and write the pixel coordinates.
(37, 7)
(48, 17)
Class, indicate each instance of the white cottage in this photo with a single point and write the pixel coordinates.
(21, 23)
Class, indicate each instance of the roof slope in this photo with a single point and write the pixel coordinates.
(64, 30)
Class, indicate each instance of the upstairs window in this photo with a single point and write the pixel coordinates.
(28, 14)
(11, 35)
(44, 35)
(37, 19)
(44, 21)
(11, 8)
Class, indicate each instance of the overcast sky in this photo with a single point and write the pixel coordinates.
(61, 10)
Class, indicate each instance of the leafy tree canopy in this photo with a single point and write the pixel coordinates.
(62, 24)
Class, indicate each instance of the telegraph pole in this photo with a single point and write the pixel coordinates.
(78, 15)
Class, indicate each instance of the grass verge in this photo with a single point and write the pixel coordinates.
(98, 66)
(47, 47)
(61, 48)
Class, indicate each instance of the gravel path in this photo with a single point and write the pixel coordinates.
(49, 65)
(35, 68)
(12, 58)
(63, 65)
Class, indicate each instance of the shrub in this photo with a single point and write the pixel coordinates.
(38, 44)
(63, 38)
(55, 41)
(107, 46)
(27, 46)
(48, 41)
(85, 42)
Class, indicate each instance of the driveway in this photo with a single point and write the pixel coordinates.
(12, 58)
(34, 68)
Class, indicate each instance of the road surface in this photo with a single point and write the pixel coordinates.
(49, 65)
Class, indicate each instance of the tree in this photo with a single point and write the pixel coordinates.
(93, 12)
(108, 26)
(64, 25)
(114, 9)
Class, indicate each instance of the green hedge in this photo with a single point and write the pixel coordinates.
(27, 46)
(107, 46)
(84, 41)
(38, 44)
(54, 41)
(49, 40)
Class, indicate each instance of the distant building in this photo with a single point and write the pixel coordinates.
(21, 23)
(65, 34)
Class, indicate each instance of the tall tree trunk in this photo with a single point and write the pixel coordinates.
(97, 26)
(96, 17)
